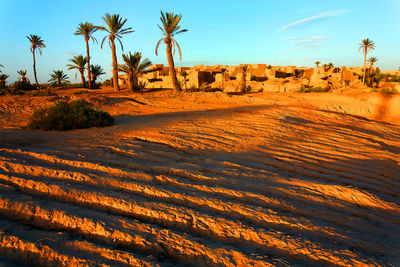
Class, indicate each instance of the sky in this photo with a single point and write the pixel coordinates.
(231, 32)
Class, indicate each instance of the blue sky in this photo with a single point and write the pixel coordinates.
(220, 32)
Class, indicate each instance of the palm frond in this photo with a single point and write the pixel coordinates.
(179, 49)
(158, 45)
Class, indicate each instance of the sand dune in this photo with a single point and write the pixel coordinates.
(205, 179)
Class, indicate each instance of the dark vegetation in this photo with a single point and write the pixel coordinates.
(311, 89)
(64, 116)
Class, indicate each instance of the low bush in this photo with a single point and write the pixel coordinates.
(64, 116)
(80, 92)
(44, 92)
(23, 86)
(10, 91)
(311, 89)
(388, 90)
(203, 89)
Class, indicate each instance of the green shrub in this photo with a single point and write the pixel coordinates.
(10, 91)
(64, 116)
(45, 92)
(311, 89)
(23, 86)
(389, 90)
(79, 92)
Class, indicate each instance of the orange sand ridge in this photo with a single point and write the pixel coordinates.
(261, 179)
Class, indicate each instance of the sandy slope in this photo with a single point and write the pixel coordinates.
(205, 179)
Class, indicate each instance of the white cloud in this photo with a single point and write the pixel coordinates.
(304, 43)
(71, 52)
(313, 18)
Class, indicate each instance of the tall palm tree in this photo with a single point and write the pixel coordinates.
(58, 77)
(96, 71)
(243, 68)
(366, 45)
(170, 28)
(87, 30)
(134, 67)
(3, 78)
(317, 65)
(79, 63)
(114, 32)
(36, 44)
(23, 77)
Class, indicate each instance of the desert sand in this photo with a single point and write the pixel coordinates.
(209, 179)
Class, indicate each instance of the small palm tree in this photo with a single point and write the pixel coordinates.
(114, 32)
(87, 30)
(372, 61)
(170, 28)
(185, 74)
(366, 45)
(3, 78)
(36, 45)
(243, 68)
(96, 71)
(79, 63)
(134, 67)
(317, 65)
(23, 77)
(59, 78)
(330, 66)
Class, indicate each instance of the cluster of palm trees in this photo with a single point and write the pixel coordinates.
(115, 30)
(366, 46)
(326, 67)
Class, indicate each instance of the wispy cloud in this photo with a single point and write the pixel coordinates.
(71, 52)
(313, 18)
(305, 43)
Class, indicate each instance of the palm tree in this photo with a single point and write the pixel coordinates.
(223, 70)
(87, 30)
(317, 65)
(58, 77)
(1, 66)
(115, 32)
(243, 68)
(330, 66)
(366, 45)
(3, 78)
(36, 44)
(170, 23)
(79, 63)
(134, 67)
(372, 61)
(185, 74)
(96, 71)
(23, 77)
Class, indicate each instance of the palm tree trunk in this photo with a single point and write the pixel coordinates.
(135, 82)
(115, 65)
(243, 83)
(34, 68)
(83, 79)
(172, 71)
(88, 64)
(365, 65)
(131, 81)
